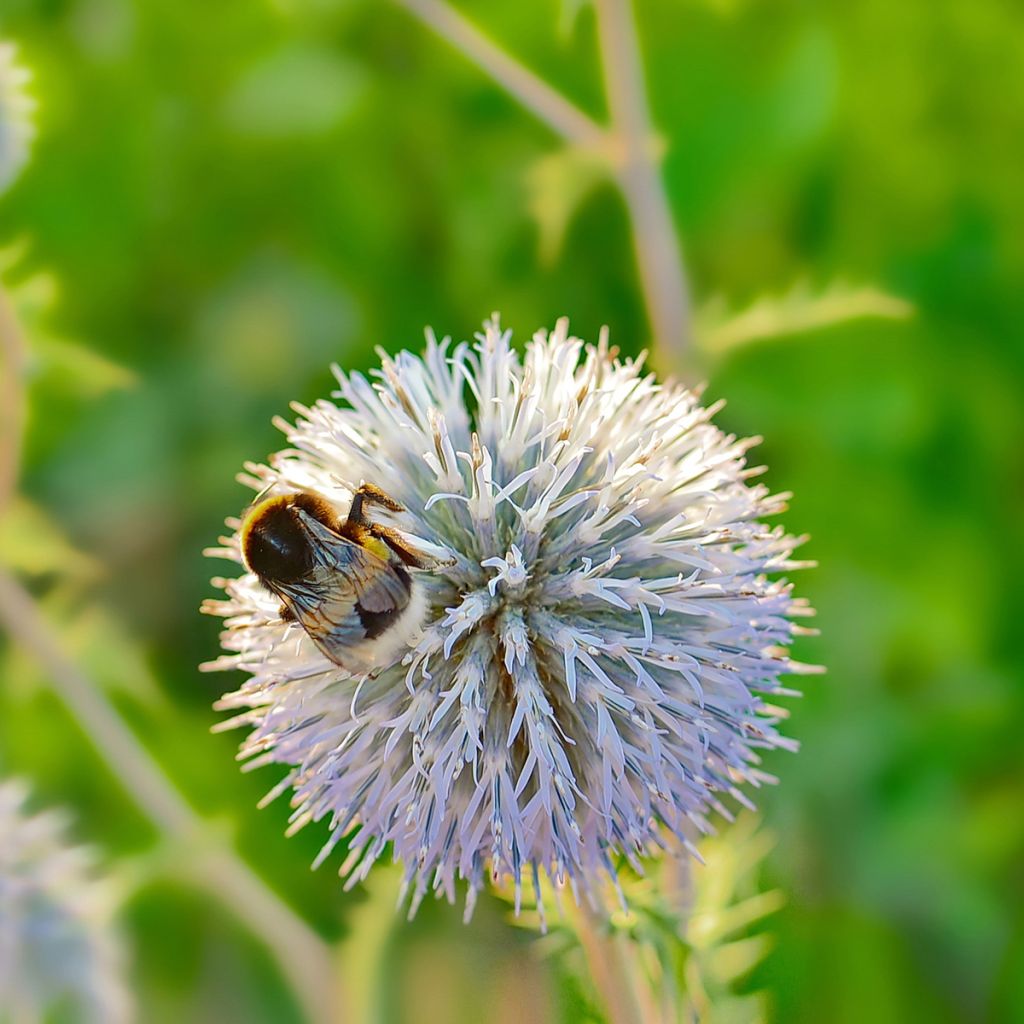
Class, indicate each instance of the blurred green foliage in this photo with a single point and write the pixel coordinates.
(225, 197)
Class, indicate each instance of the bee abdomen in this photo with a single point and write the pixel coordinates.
(379, 620)
(376, 623)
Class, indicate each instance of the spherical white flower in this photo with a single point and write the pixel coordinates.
(58, 952)
(16, 107)
(593, 668)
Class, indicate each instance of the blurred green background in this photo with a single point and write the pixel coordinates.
(225, 197)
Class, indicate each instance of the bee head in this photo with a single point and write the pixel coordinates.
(276, 545)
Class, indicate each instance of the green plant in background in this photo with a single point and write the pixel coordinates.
(723, 767)
(688, 939)
(225, 252)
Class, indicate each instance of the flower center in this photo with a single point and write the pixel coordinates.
(511, 573)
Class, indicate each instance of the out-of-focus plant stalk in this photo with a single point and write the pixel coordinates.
(529, 89)
(655, 240)
(12, 398)
(628, 146)
(608, 967)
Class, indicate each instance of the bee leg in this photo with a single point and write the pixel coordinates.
(369, 494)
(406, 552)
(286, 614)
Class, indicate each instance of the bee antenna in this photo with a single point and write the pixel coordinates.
(266, 490)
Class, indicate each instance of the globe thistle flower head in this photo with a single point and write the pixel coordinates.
(58, 950)
(594, 666)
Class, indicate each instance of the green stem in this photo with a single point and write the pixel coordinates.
(608, 965)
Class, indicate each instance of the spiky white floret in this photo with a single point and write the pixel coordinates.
(593, 669)
(58, 952)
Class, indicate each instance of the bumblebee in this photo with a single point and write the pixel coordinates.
(346, 582)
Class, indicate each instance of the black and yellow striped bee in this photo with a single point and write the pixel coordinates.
(347, 582)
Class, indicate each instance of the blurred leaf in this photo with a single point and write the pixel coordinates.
(299, 90)
(271, 318)
(103, 646)
(568, 14)
(35, 295)
(78, 368)
(19, 673)
(719, 330)
(709, 927)
(734, 960)
(84, 370)
(31, 542)
(727, 8)
(727, 905)
(557, 184)
(13, 253)
(804, 94)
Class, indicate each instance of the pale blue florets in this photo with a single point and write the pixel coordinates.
(59, 953)
(593, 669)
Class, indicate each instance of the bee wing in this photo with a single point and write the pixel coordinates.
(353, 595)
